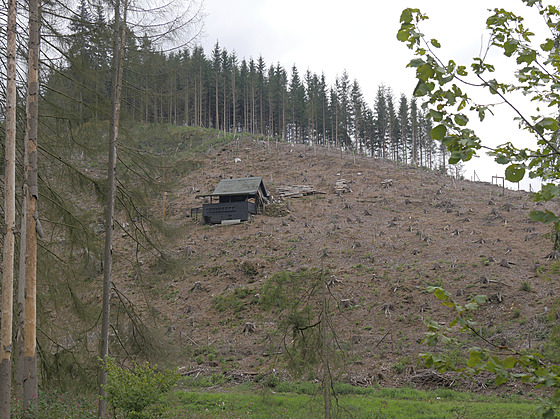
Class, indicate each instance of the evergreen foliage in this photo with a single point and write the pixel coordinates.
(187, 87)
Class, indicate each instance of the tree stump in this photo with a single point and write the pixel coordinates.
(346, 303)
(249, 328)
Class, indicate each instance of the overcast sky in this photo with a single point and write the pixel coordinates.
(358, 36)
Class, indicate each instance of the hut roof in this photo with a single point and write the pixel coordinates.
(242, 186)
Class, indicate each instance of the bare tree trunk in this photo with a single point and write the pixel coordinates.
(217, 126)
(187, 102)
(30, 381)
(283, 115)
(20, 305)
(118, 59)
(10, 219)
(224, 123)
(326, 367)
(233, 100)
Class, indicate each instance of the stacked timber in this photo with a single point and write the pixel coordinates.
(341, 186)
(297, 191)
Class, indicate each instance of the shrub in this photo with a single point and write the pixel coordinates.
(133, 390)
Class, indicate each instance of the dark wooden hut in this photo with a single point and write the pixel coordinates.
(234, 199)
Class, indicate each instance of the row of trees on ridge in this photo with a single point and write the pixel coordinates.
(227, 93)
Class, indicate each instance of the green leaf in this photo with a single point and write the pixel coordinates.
(548, 45)
(406, 15)
(550, 124)
(500, 380)
(515, 173)
(424, 72)
(402, 34)
(435, 43)
(436, 115)
(441, 294)
(544, 217)
(461, 119)
(509, 362)
(501, 159)
(480, 299)
(421, 89)
(471, 306)
(416, 62)
(537, 216)
(438, 132)
(527, 56)
(548, 192)
(475, 359)
(510, 46)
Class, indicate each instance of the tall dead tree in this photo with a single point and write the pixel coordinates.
(20, 302)
(165, 29)
(10, 218)
(30, 380)
(117, 70)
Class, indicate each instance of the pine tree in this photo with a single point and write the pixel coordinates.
(416, 146)
(381, 121)
(392, 125)
(403, 134)
(342, 85)
(358, 108)
(216, 69)
(297, 107)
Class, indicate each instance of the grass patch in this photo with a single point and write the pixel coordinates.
(297, 400)
(304, 401)
(235, 301)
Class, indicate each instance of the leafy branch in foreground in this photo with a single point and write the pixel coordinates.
(504, 362)
(446, 88)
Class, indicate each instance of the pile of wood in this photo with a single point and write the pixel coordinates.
(297, 191)
(341, 186)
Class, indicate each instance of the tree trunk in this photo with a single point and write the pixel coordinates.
(217, 126)
(326, 367)
(20, 306)
(233, 101)
(10, 219)
(30, 380)
(186, 102)
(118, 58)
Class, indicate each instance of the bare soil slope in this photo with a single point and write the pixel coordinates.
(382, 243)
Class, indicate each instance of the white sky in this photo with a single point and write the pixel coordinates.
(358, 36)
